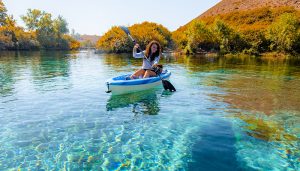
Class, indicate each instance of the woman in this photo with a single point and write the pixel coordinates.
(150, 57)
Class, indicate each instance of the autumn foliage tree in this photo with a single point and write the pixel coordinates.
(115, 40)
(73, 43)
(12, 36)
(148, 31)
(18, 38)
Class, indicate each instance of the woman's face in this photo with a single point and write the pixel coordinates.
(154, 48)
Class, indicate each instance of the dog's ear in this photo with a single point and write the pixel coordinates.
(159, 66)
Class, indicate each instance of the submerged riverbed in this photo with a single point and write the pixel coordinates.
(227, 114)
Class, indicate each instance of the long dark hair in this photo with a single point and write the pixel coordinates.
(148, 52)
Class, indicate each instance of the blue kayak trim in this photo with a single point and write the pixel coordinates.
(121, 80)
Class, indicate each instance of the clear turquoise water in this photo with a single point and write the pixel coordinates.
(227, 114)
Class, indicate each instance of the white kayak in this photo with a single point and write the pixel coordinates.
(119, 85)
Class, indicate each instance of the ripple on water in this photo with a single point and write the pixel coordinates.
(55, 115)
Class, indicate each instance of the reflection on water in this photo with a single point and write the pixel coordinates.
(145, 102)
(243, 63)
(264, 100)
(40, 68)
(55, 114)
(265, 94)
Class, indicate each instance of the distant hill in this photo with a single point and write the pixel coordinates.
(86, 40)
(228, 6)
(91, 38)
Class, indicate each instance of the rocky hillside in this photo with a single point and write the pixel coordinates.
(228, 6)
(243, 25)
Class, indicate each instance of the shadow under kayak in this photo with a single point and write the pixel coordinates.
(119, 84)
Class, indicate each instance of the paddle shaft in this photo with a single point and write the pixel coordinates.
(126, 30)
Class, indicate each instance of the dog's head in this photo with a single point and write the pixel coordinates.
(158, 68)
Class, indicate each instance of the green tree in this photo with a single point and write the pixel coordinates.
(228, 39)
(42, 23)
(199, 37)
(223, 33)
(283, 33)
(60, 26)
(32, 19)
(257, 42)
(50, 32)
(75, 35)
(45, 31)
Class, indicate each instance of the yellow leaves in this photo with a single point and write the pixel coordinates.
(115, 40)
(4, 38)
(73, 44)
(148, 31)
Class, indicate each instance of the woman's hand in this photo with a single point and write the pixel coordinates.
(136, 46)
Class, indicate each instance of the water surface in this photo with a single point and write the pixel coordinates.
(227, 114)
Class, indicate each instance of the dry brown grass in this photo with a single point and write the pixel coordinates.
(228, 6)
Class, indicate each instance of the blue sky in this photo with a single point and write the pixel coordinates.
(98, 16)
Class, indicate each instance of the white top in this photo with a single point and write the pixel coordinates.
(147, 64)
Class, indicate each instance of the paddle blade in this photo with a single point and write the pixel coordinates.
(168, 86)
(125, 29)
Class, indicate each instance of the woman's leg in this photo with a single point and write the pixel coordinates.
(149, 73)
(137, 74)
